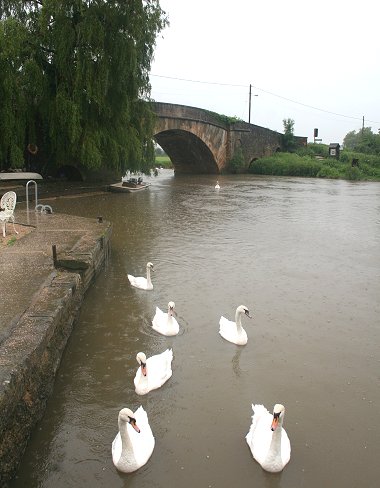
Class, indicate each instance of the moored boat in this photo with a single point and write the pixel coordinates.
(129, 184)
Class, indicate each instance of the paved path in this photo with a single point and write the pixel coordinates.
(25, 266)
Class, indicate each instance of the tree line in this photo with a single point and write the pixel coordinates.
(74, 81)
(364, 141)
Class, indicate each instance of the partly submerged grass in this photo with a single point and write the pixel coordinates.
(164, 161)
(291, 164)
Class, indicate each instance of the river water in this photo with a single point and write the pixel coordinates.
(303, 256)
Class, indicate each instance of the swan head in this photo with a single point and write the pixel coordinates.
(171, 306)
(141, 359)
(150, 266)
(244, 309)
(278, 415)
(126, 415)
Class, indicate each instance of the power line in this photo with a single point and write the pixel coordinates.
(197, 81)
(269, 93)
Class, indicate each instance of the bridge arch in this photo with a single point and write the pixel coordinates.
(195, 140)
(188, 152)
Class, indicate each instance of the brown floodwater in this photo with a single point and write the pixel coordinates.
(303, 256)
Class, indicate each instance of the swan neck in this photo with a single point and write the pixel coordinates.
(148, 275)
(275, 445)
(126, 444)
(143, 379)
(238, 319)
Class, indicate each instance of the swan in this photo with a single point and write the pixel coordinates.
(131, 449)
(141, 282)
(217, 186)
(233, 331)
(165, 323)
(268, 441)
(153, 372)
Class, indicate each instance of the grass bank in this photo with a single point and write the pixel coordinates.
(312, 165)
(164, 161)
(313, 162)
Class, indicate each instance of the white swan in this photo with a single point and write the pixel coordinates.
(233, 331)
(268, 441)
(153, 372)
(141, 282)
(165, 323)
(134, 443)
(217, 186)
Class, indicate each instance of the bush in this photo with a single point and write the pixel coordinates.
(236, 163)
(368, 170)
(371, 159)
(164, 161)
(290, 164)
(328, 172)
(286, 164)
(353, 173)
(315, 150)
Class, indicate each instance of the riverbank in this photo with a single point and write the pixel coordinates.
(363, 167)
(40, 298)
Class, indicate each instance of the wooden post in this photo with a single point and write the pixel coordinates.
(54, 249)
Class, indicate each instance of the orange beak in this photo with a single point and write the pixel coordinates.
(135, 426)
(274, 423)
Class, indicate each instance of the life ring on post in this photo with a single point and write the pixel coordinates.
(32, 148)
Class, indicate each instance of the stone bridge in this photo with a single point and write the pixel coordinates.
(199, 141)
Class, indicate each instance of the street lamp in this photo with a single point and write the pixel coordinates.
(250, 96)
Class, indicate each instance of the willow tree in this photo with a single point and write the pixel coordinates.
(74, 81)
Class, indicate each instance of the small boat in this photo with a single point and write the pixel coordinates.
(20, 175)
(129, 184)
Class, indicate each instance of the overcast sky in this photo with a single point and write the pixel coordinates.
(296, 54)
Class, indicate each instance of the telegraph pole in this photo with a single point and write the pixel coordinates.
(249, 111)
(250, 98)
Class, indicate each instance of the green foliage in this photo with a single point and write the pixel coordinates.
(11, 241)
(224, 119)
(352, 173)
(164, 161)
(236, 163)
(286, 164)
(75, 81)
(288, 139)
(290, 164)
(328, 172)
(313, 150)
(363, 158)
(364, 141)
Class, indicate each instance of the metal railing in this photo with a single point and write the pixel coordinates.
(37, 207)
(27, 194)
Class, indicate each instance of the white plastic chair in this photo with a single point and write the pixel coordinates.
(8, 204)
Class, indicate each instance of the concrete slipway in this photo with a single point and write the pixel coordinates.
(40, 298)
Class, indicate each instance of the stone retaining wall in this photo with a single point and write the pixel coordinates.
(30, 356)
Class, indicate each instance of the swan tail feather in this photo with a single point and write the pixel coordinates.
(169, 355)
(141, 415)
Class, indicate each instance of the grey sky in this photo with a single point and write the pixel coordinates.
(322, 54)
